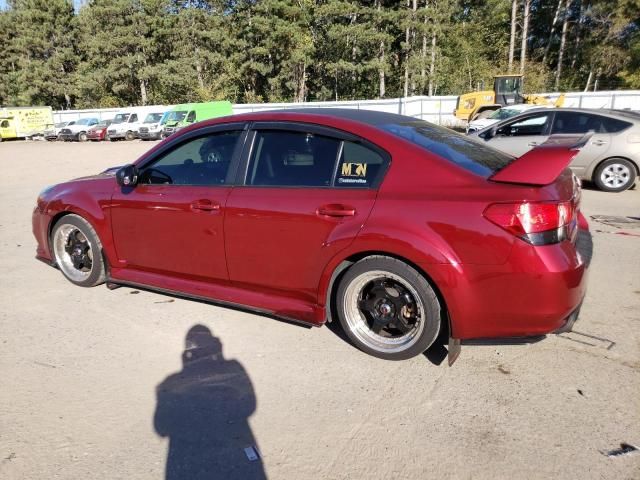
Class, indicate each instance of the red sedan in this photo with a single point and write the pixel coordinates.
(98, 132)
(395, 227)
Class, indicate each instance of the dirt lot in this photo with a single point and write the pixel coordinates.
(80, 369)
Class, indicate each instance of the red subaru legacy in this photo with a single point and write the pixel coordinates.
(395, 227)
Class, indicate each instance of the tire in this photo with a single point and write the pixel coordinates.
(129, 136)
(385, 294)
(77, 251)
(82, 137)
(615, 175)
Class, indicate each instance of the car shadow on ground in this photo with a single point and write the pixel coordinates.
(203, 410)
(436, 354)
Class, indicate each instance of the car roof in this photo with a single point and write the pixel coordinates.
(370, 117)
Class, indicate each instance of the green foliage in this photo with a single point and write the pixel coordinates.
(129, 52)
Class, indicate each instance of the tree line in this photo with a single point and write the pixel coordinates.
(107, 53)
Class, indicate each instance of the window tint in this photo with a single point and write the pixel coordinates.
(201, 161)
(454, 147)
(292, 159)
(534, 125)
(578, 123)
(612, 125)
(191, 117)
(359, 166)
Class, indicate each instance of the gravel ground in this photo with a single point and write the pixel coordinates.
(93, 383)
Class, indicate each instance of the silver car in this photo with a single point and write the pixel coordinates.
(611, 157)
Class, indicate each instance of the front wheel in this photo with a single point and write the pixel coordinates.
(387, 308)
(82, 137)
(78, 251)
(129, 136)
(615, 175)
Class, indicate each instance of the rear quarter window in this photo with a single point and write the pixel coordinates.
(612, 125)
(454, 147)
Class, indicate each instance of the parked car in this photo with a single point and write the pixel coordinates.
(183, 115)
(128, 129)
(78, 130)
(151, 128)
(498, 115)
(611, 157)
(98, 132)
(53, 133)
(392, 226)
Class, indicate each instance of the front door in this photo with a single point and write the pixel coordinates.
(518, 137)
(305, 197)
(172, 221)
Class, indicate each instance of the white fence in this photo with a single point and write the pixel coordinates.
(433, 109)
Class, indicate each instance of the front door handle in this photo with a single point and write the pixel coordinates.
(533, 144)
(336, 210)
(598, 142)
(205, 205)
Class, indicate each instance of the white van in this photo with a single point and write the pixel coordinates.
(131, 120)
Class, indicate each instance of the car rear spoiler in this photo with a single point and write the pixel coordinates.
(542, 165)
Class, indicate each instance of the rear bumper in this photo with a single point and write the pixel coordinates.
(536, 292)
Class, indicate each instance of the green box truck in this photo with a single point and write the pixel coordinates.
(185, 114)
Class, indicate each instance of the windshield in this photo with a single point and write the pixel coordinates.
(121, 118)
(153, 118)
(177, 116)
(84, 121)
(504, 113)
(60, 125)
(451, 146)
(104, 123)
(164, 118)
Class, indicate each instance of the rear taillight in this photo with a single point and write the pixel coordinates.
(539, 223)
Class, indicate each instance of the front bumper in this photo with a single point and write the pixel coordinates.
(68, 137)
(113, 134)
(150, 135)
(40, 227)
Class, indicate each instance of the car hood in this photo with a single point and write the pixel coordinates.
(482, 123)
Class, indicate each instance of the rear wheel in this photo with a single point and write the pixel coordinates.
(78, 251)
(387, 308)
(615, 175)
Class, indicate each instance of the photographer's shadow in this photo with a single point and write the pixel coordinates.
(204, 410)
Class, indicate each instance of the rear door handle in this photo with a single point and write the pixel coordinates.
(533, 144)
(336, 210)
(205, 205)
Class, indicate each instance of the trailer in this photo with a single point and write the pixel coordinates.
(24, 122)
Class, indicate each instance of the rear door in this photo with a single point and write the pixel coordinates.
(581, 123)
(521, 135)
(305, 193)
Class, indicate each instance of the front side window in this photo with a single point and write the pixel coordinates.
(133, 118)
(4, 124)
(191, 117)
(201, 161)
(534, 125)
(286, 158)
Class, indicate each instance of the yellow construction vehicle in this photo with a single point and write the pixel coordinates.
(507, 90)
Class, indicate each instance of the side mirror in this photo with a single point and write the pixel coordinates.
(490, 133)
(127, 176)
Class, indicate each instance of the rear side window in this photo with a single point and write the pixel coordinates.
(285, 158)
(612, 125)
(358, 166)
(578, 123)
(454, 147)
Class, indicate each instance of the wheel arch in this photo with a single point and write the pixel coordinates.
(329, 291)
(87, 218)
(592, 174)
